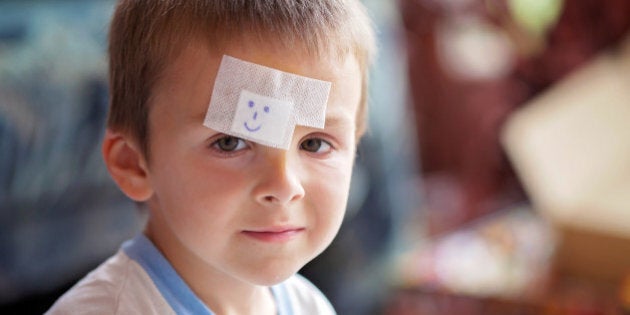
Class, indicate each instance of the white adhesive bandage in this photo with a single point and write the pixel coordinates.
(264, 105)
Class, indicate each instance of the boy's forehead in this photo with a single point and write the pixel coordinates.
(263, 104)
(190, 78)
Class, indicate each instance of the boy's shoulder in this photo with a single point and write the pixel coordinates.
(118, 286)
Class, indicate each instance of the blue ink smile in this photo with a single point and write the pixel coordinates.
(254, 117)
(251, 129)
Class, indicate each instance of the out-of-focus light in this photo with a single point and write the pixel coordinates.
(471, 49)
(535, 16)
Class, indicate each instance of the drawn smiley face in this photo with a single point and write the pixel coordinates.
(262, 119)
(255, 122)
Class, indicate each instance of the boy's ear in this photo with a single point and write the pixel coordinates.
(127, 166)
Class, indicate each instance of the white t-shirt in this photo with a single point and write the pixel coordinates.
(139, 280)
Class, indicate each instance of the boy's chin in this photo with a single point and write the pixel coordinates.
(269, 272)
(268, 279)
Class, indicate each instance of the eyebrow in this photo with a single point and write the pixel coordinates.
(335, 121)
(198, 117)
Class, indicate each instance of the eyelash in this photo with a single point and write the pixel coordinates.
(241, 145)
(323, 142)
(244, 144)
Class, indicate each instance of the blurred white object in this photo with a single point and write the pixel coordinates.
(571, 146)
(471, 49)
(504, 255)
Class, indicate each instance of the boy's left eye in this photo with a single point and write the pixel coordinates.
(229, 144)
(315, 145)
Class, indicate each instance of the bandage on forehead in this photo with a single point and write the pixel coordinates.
(263, 104)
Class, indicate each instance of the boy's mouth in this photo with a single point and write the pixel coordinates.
(275, 234)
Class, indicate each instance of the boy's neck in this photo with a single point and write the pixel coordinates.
(222, 294)
(231, 302)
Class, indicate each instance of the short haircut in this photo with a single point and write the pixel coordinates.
(146, 35)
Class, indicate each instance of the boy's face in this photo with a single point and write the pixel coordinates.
(237, 209)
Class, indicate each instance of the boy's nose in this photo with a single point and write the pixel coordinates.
(279, 182)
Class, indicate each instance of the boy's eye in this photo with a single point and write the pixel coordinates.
(315, 145)
(229, 144)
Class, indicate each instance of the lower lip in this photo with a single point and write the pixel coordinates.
(274, 237)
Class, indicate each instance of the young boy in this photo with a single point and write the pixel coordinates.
(236, 123)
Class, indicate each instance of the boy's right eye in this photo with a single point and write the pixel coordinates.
(229, 144)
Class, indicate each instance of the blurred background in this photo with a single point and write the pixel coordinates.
(495, 178)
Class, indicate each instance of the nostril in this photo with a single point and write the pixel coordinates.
(275, 199)
(278, 184)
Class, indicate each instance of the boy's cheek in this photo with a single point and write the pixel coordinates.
(338, 167)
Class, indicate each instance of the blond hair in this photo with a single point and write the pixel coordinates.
(146, 35)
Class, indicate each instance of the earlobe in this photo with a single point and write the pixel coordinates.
(127, 166)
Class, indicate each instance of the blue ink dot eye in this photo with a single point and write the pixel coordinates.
(266, 109)
(251, 104)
